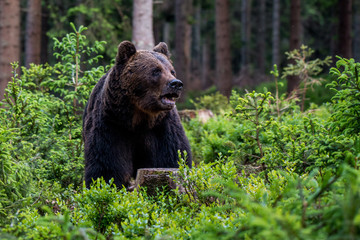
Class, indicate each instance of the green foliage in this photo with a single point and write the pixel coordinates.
(346, 101)
(40, 124)
(198, 181)
(212, 138)
(16, 155)
(73, 84)
(30, 225)
(305, 69)
(263, 169)
(254, 110)
(98, 206)
(255, 132)
(108, 20)
(215, 102)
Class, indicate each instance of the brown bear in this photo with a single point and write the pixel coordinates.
(130, 120)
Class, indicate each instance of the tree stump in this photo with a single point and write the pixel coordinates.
(155, 178)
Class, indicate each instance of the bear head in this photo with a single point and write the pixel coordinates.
(148, 78)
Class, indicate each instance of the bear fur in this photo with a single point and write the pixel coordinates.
(130, 120)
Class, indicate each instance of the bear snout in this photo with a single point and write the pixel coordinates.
(176, 84)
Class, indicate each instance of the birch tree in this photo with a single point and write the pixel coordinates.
(142, 25)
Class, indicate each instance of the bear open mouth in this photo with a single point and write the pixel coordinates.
(169, 99)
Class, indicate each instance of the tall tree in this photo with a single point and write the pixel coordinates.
(45, 27)
(205, 64)
(182, 41)
(33, 32)
(196, 40)
(344, 30)
(223, 54)
(295, 35)
(9, 39)
(142, 31)
(245, 31)
(356, 48)
(276, 33)
(262, 36)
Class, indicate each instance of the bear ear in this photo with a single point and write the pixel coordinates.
(125, 50)
(162, 48)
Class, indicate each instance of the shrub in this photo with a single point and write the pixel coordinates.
(346, 101)
(263, 168)
(40, 124)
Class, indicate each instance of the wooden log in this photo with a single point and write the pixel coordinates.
(155, 178)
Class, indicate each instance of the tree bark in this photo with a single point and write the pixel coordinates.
(33, 33)
(223, 54)
(142, 31)
(9, 40)
(295, 34)
(276, 33)
(45, 27)
(206, 81)
(356, 48)
(196, 41)
(261, 56)
(245, 32)
(182, 41)
(344, 31)
(155, 179)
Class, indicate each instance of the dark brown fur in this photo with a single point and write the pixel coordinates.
(130, 121)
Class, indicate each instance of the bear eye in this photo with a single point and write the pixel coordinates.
(173, 73)
(156, 72)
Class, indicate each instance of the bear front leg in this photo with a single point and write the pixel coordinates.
(108, 158)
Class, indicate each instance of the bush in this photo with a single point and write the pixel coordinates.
(346, 101)
(263, 168)
(40, 124)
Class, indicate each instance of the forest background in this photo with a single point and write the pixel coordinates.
(226, 44)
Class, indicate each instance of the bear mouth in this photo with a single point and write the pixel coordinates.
(169, 99)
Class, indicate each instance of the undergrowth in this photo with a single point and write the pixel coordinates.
(263, 169)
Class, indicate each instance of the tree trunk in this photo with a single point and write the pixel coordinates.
(295, 34)
(196, 41)
(223, 54)
(245, 32)
(80, 17)
(344, 31)
(33, 33)
(166, 33)
(276, 33)
(261, 56)
(206, 81)
(45, 27)
(182, 41)
(356, 49)
(155, 179)
(9, 40)
(142, 31)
